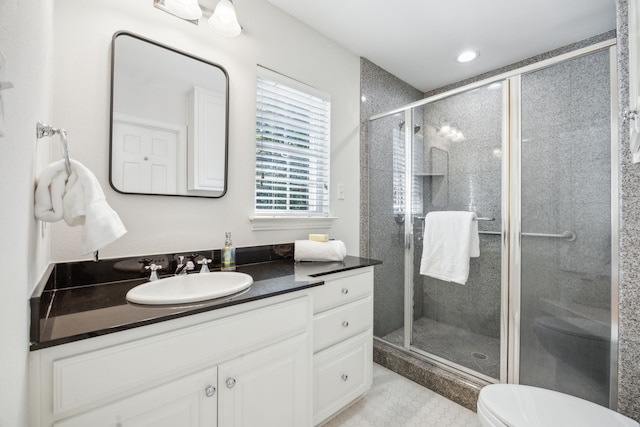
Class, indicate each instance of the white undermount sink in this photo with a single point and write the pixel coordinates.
(190, 288)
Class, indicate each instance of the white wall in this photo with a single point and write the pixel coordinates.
(83, 31)
(25, 40)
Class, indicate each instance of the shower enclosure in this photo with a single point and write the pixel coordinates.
(530, 152)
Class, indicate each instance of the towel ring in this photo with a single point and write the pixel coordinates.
(43, 130)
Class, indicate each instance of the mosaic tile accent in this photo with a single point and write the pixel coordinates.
(394, 401)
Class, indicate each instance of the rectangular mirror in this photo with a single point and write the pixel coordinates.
(169, 121)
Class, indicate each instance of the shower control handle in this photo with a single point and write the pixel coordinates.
(344, 377)
(345, 291)
(345, 324)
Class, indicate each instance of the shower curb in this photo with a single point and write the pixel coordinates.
(453, 387)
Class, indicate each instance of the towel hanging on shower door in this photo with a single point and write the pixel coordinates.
(450, 239)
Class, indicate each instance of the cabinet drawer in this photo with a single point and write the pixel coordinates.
(342, 290)
(341, 374)
(333, 326)
(100, 376)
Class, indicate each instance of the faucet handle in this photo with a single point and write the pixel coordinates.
(154, 271)
(204, 262)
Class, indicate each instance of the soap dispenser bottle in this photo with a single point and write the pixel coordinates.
(228, 262)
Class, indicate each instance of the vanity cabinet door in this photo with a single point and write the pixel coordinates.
(268, 387)
(190, 401)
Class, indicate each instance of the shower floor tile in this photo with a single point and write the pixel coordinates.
(395, 401)
(466, 348)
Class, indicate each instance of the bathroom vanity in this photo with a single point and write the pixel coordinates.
(293, 350)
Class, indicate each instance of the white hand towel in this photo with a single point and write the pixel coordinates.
(78, 199)
(309, 250)
(49, 193)
(450, 239)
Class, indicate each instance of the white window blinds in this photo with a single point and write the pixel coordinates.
(400, 172)
(292, 147)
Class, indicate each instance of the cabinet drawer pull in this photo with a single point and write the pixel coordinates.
(210, 391)
(345, 377)
(231, 382)
(345, 324)
(345, 291)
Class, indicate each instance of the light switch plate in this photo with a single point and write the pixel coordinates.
(340, 191)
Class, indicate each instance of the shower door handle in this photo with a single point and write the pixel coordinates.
(407, 240)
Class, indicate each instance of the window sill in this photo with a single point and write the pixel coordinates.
(259, 223)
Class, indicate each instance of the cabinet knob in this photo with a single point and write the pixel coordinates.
(345, 377)
(210, 391)
(345, 291)
(231, 382)
(345, 324)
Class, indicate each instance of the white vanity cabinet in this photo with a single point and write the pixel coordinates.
(342, 341)
(185, 402)
(246, 365)
(266, 388)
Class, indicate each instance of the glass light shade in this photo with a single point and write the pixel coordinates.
(185, 9)
(224, 20)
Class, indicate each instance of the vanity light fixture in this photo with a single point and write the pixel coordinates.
(185, 9)
(467, 55)
(223, 19)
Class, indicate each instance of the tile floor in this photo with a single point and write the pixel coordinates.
(395, 401)
(474, 351)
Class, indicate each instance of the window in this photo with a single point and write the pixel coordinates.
(292, 147)
(400, 172)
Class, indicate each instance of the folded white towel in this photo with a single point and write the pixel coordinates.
(450, 239)
(79, 200)
(309, 250)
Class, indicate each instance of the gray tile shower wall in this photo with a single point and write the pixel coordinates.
(629, 245)
(382, 92)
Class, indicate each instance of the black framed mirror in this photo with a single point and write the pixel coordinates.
(169, 121)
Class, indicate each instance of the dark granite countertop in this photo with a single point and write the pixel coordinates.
(67, 307)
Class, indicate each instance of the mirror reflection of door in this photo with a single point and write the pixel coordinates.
(144, 156)
(169, 121)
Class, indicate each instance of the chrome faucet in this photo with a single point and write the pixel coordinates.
(183, 267)
(154, 271)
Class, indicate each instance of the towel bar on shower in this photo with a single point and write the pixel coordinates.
(569, 236)
(475, 219)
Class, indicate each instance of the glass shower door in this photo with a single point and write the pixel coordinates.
(458, 166)
(387, 171)
(566, 257)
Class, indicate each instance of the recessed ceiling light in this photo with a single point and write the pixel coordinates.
(467, 55)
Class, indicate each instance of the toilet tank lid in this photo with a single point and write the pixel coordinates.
(525, 406)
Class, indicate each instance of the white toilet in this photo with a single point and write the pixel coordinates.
(512, 405)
